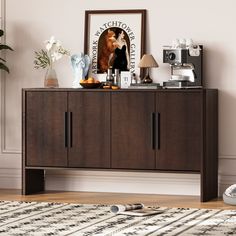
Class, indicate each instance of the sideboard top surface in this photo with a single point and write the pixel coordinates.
(118, 90)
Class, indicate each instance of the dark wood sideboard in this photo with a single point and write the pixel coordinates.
(143, 130)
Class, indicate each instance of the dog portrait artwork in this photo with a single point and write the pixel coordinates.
(107, 46)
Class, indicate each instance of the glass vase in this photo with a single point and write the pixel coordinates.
(51, 80)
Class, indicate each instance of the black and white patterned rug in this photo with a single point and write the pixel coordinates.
(34, 218)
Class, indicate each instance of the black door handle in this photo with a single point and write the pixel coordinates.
(70, 130)
(158, 120)
(66, 129)
(153, 130)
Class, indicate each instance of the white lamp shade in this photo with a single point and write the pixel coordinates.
(147, 61)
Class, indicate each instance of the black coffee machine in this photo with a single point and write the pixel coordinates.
(186, 67)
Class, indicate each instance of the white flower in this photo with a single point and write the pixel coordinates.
(56, 56)
(54, 52)
(50, 42)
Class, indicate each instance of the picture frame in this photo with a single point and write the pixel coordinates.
(125, 79)
(114, 39)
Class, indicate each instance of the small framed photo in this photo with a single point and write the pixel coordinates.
(125, 79)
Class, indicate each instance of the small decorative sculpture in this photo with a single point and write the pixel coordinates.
(80, 64)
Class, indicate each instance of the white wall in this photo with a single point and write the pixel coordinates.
(30, 22)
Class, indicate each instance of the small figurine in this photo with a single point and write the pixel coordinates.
(80, 64)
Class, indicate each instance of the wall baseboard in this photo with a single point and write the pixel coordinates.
(10, 178)
(117, 182)
(126, 182)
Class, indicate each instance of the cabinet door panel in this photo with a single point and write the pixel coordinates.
(180, 131)
(90, 144)
(45, 129)
(131, 130)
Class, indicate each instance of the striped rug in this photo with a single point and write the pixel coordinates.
(34, 218)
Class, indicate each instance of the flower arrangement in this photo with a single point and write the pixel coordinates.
(3, 47)
(54, 51)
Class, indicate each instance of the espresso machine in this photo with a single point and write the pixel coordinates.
(186, 67)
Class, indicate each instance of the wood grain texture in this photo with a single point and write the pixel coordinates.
(45, 129)
(90, 144)
(115, 130)
(180, 131)
(115, 198)
(131, 130)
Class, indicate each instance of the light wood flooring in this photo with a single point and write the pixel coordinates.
(114, 198)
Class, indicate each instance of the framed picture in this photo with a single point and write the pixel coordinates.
(125, 79)
(114, 39)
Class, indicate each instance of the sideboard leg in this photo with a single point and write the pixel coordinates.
(32, 181)
(209, 163)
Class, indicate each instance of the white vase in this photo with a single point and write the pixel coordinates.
(51, 80)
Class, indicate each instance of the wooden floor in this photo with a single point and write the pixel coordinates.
(115, 198)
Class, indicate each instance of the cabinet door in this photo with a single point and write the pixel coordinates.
(45, 129)
(90, 129)
(180, 130)
(132, 146)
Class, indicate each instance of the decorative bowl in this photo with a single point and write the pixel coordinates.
(91, 85)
